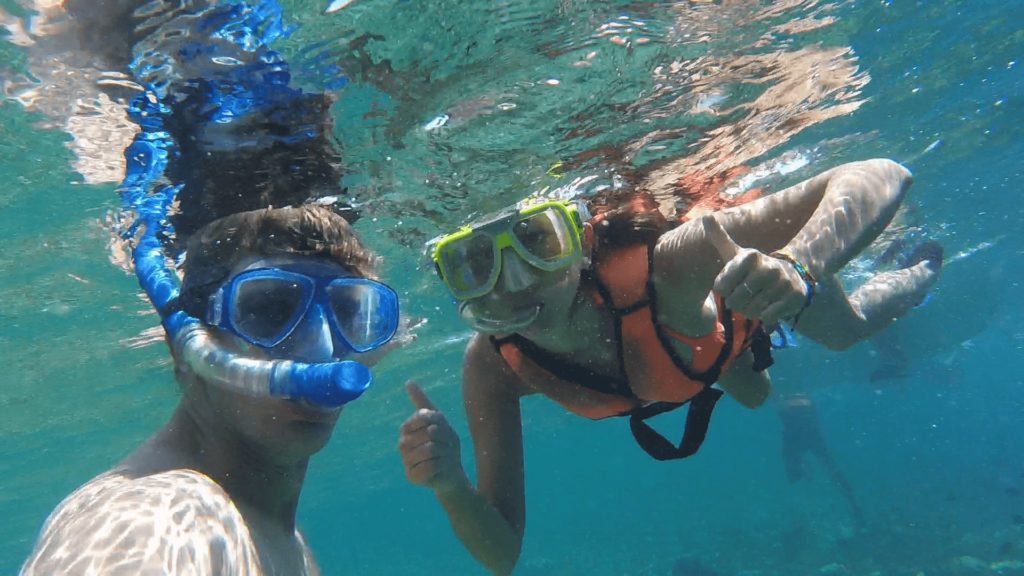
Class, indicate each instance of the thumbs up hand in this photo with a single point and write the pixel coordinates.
(753, 283)
(429, 446)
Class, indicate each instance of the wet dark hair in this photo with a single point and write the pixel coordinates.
(245, 185)
(625, 217)
(306, 231)
(282, 155)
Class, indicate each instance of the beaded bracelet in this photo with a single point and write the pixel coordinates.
(804, 273)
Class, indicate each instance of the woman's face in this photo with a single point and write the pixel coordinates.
(525, 299)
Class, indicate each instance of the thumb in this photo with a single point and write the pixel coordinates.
(720, 239)
(418, 396)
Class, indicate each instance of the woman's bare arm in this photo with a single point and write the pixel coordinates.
(743, 384)
(826, 220)
(490, 519)
(822, 222)
(846, 209)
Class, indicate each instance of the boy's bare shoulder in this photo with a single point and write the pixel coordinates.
(173, 522)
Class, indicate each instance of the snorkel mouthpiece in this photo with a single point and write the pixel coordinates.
(328, 385)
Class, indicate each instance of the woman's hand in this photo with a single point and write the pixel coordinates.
(753, 283)
(429, 446)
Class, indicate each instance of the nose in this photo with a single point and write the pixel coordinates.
(311, 341)
(516, 275)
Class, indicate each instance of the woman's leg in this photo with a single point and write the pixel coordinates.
(838, 320)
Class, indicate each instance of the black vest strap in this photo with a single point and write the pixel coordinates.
(698, 418)
(563, 369)
(761, 347)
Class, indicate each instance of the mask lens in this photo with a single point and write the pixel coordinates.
(366, 313)
(468, 263)
(266, 309)
(546, 236)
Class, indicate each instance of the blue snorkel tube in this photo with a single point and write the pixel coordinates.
(145, 196)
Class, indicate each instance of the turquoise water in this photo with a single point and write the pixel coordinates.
(934, 457)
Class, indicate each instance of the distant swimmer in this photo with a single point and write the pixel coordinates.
(802, 439)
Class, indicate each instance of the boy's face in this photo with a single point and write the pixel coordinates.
(282, 429)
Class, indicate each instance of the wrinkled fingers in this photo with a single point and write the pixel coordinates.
(764, 300)
(423, 453)
(423, 470)
(742, 297)
(439, 433)
(729, 281)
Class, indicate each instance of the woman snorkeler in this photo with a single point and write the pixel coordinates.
(607, 309)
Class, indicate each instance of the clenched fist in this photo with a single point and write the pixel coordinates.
(429, 447)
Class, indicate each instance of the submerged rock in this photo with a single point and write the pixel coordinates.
(1008, 568)
(833, 569)
(971, 563)
(691, 566)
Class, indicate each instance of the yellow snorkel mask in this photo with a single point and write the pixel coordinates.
(546, 234)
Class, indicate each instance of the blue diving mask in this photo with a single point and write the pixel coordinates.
(305, 311)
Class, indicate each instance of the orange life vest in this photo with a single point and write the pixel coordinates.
(621, 283)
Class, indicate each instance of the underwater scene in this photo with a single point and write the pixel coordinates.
(899, 454)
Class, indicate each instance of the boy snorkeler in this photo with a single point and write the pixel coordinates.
(215, 491)
(276, 322)
(616, 313)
